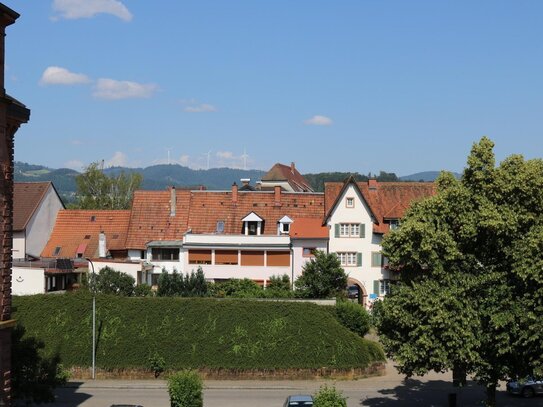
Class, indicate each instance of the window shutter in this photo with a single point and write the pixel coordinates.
(359, 259)
(336, 229)
(362, 230)
(376, 260)
(376, 287)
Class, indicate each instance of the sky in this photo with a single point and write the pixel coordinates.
(356, 86)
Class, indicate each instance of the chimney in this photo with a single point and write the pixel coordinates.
(372, 184)
(173, 201)
(234, 193)
(245, 182)
(292, 167)
(102, 245)
(277, 195)
(258, 185)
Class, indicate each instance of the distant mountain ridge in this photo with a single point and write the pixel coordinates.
(159, 177)
(426, 176)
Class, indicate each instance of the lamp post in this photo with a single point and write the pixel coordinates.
(93, 319)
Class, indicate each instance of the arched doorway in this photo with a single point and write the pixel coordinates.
(362, 296)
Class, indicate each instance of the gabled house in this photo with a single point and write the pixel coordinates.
(35, 208)
(358, 215)
(287, 177)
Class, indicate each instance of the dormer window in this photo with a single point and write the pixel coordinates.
(252, 224)
(283, 226)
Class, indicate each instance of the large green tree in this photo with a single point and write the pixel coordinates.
(470, 295)
(322, 276)
(95, 190)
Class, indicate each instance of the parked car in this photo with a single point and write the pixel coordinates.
(527, 387)
(299, 400)
(352, 291)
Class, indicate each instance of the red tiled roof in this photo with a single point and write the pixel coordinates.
(26, 199)
(207, 208)
(281, 172)
(73, 226)
(308, 228)
(389, 200)
(150, 218)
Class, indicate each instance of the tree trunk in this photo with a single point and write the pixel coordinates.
(491, 395)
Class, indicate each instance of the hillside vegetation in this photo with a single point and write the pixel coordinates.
(193, 333)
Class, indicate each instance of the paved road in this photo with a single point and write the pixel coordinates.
(390, 390)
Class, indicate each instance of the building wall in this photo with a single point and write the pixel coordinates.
(132, 269)
(366, 274)
(41, 224)
(299, 259)
(19, 248)
(28, 281)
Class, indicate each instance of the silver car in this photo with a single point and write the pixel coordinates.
(527, 387)
(299, 400)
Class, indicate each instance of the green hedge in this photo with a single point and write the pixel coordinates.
(192, 333)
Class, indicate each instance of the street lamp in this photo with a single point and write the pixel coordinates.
(93, 319)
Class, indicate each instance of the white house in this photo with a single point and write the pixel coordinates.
(35, 208)
(358, 216)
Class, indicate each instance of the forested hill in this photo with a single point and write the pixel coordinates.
(161, 176)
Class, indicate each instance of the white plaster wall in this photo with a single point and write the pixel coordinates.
(18, 245)
(41, 224)
(366, 274)
(135, 255)
(132, 269)
(297, 249)
(27, 281)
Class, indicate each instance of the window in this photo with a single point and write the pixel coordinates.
(393, 223)
(143, 254)
(349, 258)
(57, 251)
(93, 218)
(87, 237)
(279, 258)
(309, 251)
(165, 254)
(226, 257)
(252, 258)
(349, 202)
(384, 287)
(350, 230)
(220, 226)
(376, 259)
(199, 256)
(115, 236)
(284, 228)
(252, 228)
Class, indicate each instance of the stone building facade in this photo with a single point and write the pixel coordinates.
(12, 115)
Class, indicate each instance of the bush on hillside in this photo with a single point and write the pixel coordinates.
(353, 316)
(329, 397)
(185, 389)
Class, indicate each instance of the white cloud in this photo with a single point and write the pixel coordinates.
(119, 159)
(74, 165)
(318, 120)
(225, 154)
(74, 9)
(55, 75)
(114, 90)
(201, 108)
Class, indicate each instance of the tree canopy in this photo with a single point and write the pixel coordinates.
(322, 276)
(470, 295)
(95, 190)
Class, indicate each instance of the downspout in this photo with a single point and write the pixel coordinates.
(291, 266)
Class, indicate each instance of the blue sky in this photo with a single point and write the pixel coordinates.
(400, 86)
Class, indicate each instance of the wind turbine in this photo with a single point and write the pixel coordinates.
(208, 155)
(244, 156)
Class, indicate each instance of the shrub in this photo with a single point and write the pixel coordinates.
(157, 364)
(143, 290)
(353, 316)
(176, 284)
(322, 277)
(109, 281)
(239, 288)
(185, 389)
(280, 283)
(329, 397)
(375, 313)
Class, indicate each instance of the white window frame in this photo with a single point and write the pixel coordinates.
(349, 230)
(384, 287)
(347, 259)
(349, 202)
